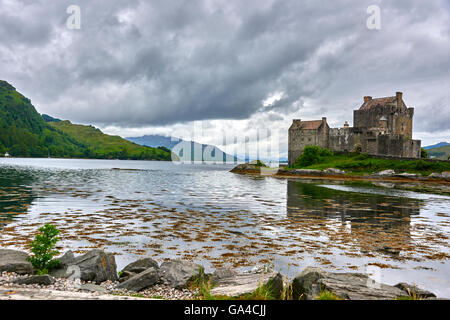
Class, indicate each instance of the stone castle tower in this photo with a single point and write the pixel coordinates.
(381, 126)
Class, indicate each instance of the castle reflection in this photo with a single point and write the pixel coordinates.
(376, 221)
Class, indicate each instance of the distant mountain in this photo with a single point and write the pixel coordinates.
(25, 133)
(437, 145)
(198, 152)
(439, 153)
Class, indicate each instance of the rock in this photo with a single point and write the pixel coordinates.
(446, 174)
(408, 175)
(67, 258)
(15, 261)
(44, 280)
(90, 287)
(435, 175)
(387, 173)
(414, 290)
(353, 286)
(177, 273)
(334, 171)
(141, 281)
(96, 266)
(388, 250)
(222, 273)
(141, 265)
(241, 284)
(125, 275)
(307, 172)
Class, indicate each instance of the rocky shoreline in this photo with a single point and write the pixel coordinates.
(94, 276)
(337, 174)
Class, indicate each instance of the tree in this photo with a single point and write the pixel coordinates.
(43, 249)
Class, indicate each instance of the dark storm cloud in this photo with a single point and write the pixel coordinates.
(140, 63)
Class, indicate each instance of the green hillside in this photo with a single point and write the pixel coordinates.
(23, 132)
(440, 153)
(103, 146)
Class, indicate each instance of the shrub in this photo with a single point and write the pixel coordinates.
(312, 155)
(423, 153)
(43, 250)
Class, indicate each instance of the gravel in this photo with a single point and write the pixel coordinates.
(159, 291)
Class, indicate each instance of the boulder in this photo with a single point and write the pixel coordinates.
(44, 280)
(15, 261)
(387, 173)
(141, 265)
(351, 286)
(137, 267)
(414, 290)
(178, 273)
(334, 171)
(240, 284)
(96, 265)
(223, 273)
(141, 281)
(435, 175)
(247, 167)
(446, 174)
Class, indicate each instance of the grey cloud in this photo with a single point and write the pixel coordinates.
(161, 62)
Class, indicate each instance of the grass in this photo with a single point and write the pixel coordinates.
(363, 164)
(327, 295)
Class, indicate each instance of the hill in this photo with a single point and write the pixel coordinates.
(103, 146)
(440, 152)
(25, 133)
(208, 153)
(437, 145)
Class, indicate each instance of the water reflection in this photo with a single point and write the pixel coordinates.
(16, 194)
(376, 221)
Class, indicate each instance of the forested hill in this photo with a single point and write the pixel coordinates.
(105, 146)
(24, 133)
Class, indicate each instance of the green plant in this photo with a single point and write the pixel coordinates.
(327, 295)
(423, 153)
(312, 155)
(43, 249)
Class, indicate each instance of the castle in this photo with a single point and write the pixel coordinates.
(382, 126)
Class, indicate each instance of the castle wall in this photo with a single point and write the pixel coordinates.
(299, 139)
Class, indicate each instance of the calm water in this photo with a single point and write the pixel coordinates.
(208, 215)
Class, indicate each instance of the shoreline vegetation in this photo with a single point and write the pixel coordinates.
(320, 163)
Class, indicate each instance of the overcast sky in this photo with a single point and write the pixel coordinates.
(146, 67)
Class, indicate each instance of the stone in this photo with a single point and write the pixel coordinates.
(307, 171)
(334, 171)
(446, 174)
(178, 273)
(408, 175)
(435, 175)
(241, 284)
(350, 286)
(414, 290)
(125, 275)
(15, 261)
(90, 287)
(141, 281)
(141, 265)
(222, 273)
(96, 265)
(67, 258)
(387, 173)
(44, 280)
